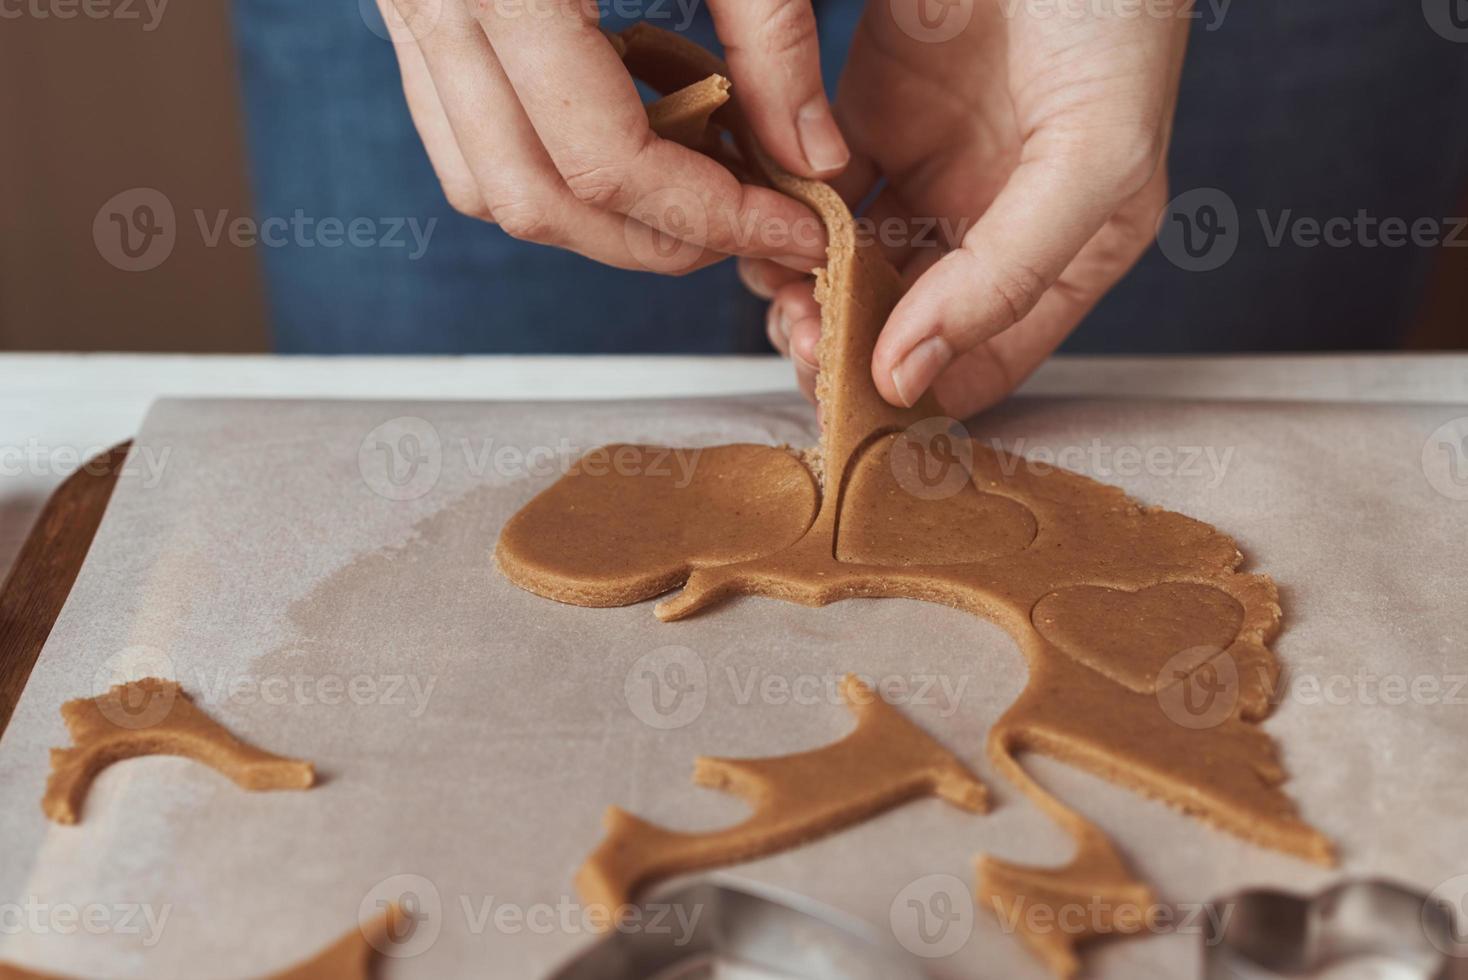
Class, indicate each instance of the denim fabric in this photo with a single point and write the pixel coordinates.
(1316, 107)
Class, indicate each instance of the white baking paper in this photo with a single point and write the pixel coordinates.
(318, 576)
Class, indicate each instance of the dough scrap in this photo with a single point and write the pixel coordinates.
(1109, 602)
(684, 116)
(352, 956)
(887, 760)
(154, 717)
(349, 958)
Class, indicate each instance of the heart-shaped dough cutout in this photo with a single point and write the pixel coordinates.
(631, 522)
(891, 515)
(1132, 637)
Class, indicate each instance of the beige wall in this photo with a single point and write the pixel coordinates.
(93, 107)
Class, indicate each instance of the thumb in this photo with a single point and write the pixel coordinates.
(1055, 201)
(775, 59)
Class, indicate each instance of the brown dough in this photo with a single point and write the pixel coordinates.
(684, 115)
(886, 761)
(1100, 593)
(349, 958)
(154, 717)
(743, 502)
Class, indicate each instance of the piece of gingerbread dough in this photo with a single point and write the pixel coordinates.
(885, 761)
(154, 717)
(349, 958)
(1147, 651)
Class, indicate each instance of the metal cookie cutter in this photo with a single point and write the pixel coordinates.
(1280, 934)
(788, 936)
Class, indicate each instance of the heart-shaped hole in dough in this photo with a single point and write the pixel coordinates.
(1132, 636)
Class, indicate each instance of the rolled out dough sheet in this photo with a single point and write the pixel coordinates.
(468, 734)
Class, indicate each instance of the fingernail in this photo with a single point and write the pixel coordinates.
(798, 352)
(800, 263)
(820, 138)
(922, 365)
(777, 325)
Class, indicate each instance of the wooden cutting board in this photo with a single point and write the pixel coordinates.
(46, 567)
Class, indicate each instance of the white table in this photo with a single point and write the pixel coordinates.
(57, 410)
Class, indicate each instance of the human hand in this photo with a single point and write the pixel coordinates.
(531, 121)
(1039, 134)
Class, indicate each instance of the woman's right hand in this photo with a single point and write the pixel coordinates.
(532, 122)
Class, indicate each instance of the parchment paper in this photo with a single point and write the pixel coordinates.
(471, 734)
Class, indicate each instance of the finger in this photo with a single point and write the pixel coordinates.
(805, 380)
(428, 115)
(763, 277)
(797, 305)
(989, 372)
(804, 335)
(857, 181)
(1055, 201)
(777, 330)
(774, 57)
(513, 181)
(554, 56)
(800, 316)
